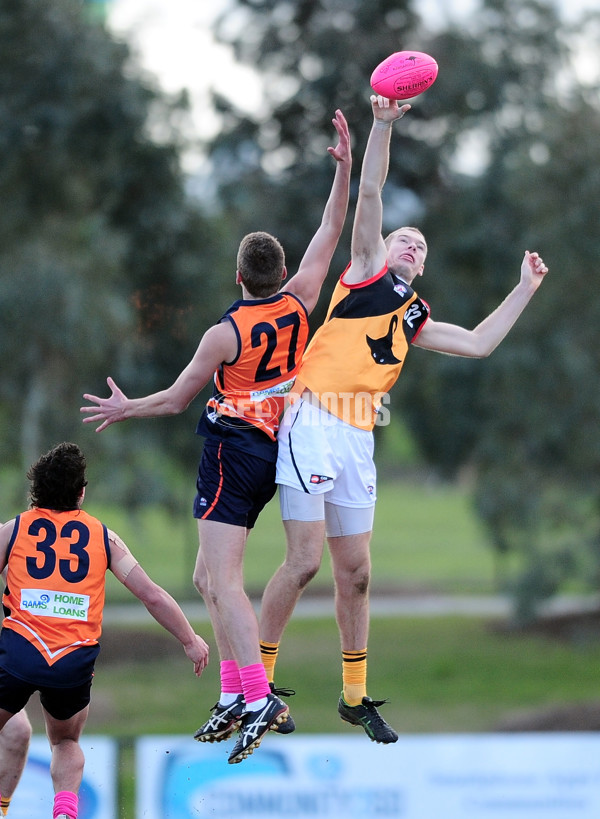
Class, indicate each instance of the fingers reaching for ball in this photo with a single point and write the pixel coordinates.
(386, 110)
(342, 152)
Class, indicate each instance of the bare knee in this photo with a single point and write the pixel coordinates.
(16, 734)
(353, 578)
(200, 577)
(351, 561)
(21, 732)
(304, 577)
(222, 594)
(214, 598)
(361, 583)
(203, 585)
(298, 572)
(200, 583)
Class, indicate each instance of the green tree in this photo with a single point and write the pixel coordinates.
(105, 264)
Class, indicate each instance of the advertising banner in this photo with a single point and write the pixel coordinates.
(34, 796)
(478, 776)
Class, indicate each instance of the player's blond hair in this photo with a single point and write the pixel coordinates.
(391, 235)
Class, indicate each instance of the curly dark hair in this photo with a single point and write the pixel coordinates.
(261, 261)
(57, 478)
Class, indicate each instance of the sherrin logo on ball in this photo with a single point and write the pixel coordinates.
(404, 74)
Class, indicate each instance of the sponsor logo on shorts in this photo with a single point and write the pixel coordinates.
(319, 478)
(202, 502)
(370, 489)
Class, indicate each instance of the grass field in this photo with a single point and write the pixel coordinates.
(440, 675)
(426, 538)
(450, 674)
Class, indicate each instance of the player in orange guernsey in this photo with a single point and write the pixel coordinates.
(57, 557)
(325, 464)
(252, 355)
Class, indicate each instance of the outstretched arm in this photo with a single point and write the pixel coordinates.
(218, 344)
(159, 602)
(480, 342)
(368, 249)
(307, 282)
(6, 530)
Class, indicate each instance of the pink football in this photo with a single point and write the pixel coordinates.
(404, 74)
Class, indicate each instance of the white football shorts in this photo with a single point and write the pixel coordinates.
(320, 454)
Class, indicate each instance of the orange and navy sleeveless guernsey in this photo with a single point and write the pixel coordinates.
(356, 356)
(54, 594)
(250, 391)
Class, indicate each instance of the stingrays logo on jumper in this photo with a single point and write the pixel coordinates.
(55, 604)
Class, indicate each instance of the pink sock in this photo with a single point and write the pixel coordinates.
(254, 682)
(65, 802)
(231, 682)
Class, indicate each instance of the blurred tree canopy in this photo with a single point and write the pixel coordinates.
(105, 265)
(502, 154)
(109, 267)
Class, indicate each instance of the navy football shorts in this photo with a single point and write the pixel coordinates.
(60, 703)
(233, 486)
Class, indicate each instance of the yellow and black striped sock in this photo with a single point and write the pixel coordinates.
(4, 805)
(268, 655)
(354, 676)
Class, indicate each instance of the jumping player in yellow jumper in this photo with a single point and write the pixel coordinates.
(325, 464)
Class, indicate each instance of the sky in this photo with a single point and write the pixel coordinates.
(173, 42)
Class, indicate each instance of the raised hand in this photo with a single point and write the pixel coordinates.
(533, 268)
(107, 410)
(385, 110)
(342, 152)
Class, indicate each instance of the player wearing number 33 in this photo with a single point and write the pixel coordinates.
(252, 355)
(57, 556)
